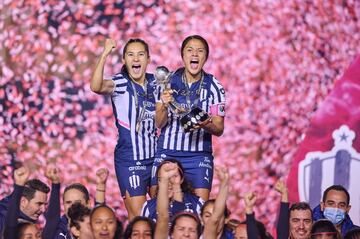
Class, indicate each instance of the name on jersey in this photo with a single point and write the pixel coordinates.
(205, 165)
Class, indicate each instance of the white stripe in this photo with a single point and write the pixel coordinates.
(186, 142)
(133, 128)
(179, 138)
(193, 142)
(147, 140)
(172, 135)
(201, 140)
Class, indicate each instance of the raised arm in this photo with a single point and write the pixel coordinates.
(52, 216)
(162, 207)
(101, 178)
(21, 175)
(282, 226)
(252, 231)
(219, 206)
(98, 84)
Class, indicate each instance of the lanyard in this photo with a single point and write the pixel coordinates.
(142, 110)
(197, 98)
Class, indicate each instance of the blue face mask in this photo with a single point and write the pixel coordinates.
(335, 215)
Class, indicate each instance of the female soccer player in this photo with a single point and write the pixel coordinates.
(133, 101)
(191, 87)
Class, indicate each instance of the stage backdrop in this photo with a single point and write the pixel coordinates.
(276, 59)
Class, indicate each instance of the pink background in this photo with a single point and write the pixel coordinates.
(276, 59)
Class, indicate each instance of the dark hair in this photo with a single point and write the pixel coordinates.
(197, 37)
(130, 41)
(323, 226)
(353, 234)
(188, 215)
(79, 187)
(77, 213)
(185, 185)
(212, 201)
(263, 234)
(20, 228)
(101, 206)
(33, 185)
(130, 226)
(301, 206)
(119, 229)
(337, 188)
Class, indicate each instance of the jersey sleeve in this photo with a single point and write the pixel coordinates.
(217, 106)
(120, 84)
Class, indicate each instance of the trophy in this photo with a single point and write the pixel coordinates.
(189, 116)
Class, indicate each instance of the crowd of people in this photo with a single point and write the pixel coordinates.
(176, 217)
(286, 54)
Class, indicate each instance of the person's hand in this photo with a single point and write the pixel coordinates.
(21, 175)
(52, 173)
(281, 187)
(166, 97)
(223, 175)
(168, 170)
(109, 45)
(102, 176)
(202, 124)
(250, 199)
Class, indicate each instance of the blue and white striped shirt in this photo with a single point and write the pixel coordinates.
(136, 141)
(172, 135)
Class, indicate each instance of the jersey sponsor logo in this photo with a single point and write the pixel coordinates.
(134, 181)
(137, 167)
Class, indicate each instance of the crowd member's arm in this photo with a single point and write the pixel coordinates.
(282, 226)
(219, 206)
(162, 206)
(176, 187)
(21, 175)
(52, 216)
(98, 84)
(101, 178)
(252, 231)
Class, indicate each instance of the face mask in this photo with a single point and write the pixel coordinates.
(335, 215)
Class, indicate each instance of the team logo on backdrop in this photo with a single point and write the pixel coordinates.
(319, 170)
(134, 181)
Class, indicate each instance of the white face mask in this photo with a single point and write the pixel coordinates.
(335, 215)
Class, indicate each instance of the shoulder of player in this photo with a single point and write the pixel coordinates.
(120, 78)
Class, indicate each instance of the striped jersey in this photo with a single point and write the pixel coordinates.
(202, 93)
(134, 111)
(191, 203)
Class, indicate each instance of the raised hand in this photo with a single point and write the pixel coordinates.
(250, 199)
(52, 173)
(281, 187)
(109, 45)
(102, 175)
(21, 175)
(166, 97)
(168, 170)
(223, 175)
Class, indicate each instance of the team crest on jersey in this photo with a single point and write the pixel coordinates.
(134, 181)
(340, 165)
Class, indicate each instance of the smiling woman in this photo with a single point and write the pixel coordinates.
(103, 222)
(198, 91)
(132, 95)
